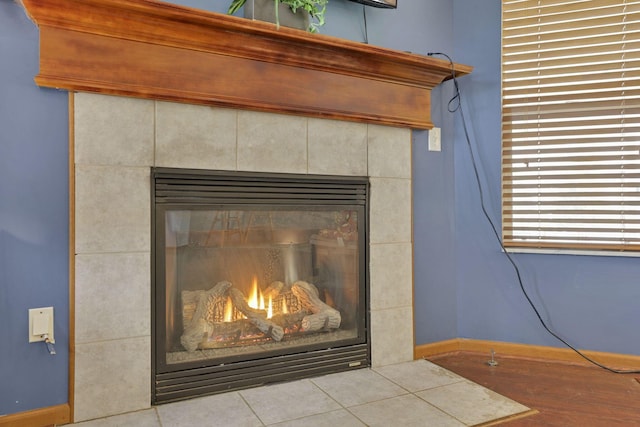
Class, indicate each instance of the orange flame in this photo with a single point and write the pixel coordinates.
(228, 310)
(253, 296)
(269, 309)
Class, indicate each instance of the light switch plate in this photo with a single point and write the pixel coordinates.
(434, 139)
(40, 324)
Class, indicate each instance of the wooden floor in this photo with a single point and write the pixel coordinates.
(565, 395)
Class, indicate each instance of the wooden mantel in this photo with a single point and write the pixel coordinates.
(152, 49)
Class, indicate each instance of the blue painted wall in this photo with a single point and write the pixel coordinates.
(34, 219)
(590, 301)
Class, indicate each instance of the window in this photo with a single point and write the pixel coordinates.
(571, 124)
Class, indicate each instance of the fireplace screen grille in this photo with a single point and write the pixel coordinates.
(257, 278)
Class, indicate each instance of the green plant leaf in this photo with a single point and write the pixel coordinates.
(235, 5)
(315, 8)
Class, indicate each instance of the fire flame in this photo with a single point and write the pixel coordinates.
(253, 299)
(228, 310)
(256, 299)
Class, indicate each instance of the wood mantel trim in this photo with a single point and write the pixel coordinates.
(152, 49)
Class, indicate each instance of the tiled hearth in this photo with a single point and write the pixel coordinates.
(416, 393)
(118, 139)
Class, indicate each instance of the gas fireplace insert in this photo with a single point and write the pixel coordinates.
(256, 278)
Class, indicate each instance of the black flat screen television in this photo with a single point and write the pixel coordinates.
(389, 4)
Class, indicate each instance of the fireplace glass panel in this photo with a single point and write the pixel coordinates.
(253, 280)
(257, 278)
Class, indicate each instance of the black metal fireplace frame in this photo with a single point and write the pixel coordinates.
(172, 187)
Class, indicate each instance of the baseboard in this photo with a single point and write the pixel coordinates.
(424, 351)
(612, 360)
(51, 415)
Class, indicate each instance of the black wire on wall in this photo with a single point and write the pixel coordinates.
(455, 105)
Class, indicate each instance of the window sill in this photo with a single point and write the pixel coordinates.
(549, 251)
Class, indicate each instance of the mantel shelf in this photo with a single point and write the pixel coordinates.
(152, 49)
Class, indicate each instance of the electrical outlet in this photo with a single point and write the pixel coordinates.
(434, 139)
(41, 324)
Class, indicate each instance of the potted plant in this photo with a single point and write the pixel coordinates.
(310, 13)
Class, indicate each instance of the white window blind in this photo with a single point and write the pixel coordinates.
(571, 124)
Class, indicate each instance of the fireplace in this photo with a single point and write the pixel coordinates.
(258, 278)
(119, 142)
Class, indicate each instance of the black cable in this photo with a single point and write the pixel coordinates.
(364, 17)
(454, 105)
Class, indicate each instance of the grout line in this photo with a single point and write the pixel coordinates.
(250, 407)
(155, 409)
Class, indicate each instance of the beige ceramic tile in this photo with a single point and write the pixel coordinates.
(405, 411)
(357, 387)
(471, 403)
(273, 403)
(391, 336)
(108, 289)
(339, 418)
(195, 136)
(228, 410)
(112, 377)
(418, 375)
(389, 152)
(391, 275)
(337, 148)
(272, 143)
(112, 130)
(390, 210)
(112, 209)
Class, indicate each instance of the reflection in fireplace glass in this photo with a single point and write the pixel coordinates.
(248, 279)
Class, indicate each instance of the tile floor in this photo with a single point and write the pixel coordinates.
(416, 393)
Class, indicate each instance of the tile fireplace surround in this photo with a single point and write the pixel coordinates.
(116, 142)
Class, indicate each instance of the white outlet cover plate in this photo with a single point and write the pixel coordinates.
(42, 318)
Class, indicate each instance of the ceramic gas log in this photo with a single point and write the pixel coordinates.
(224, 316)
